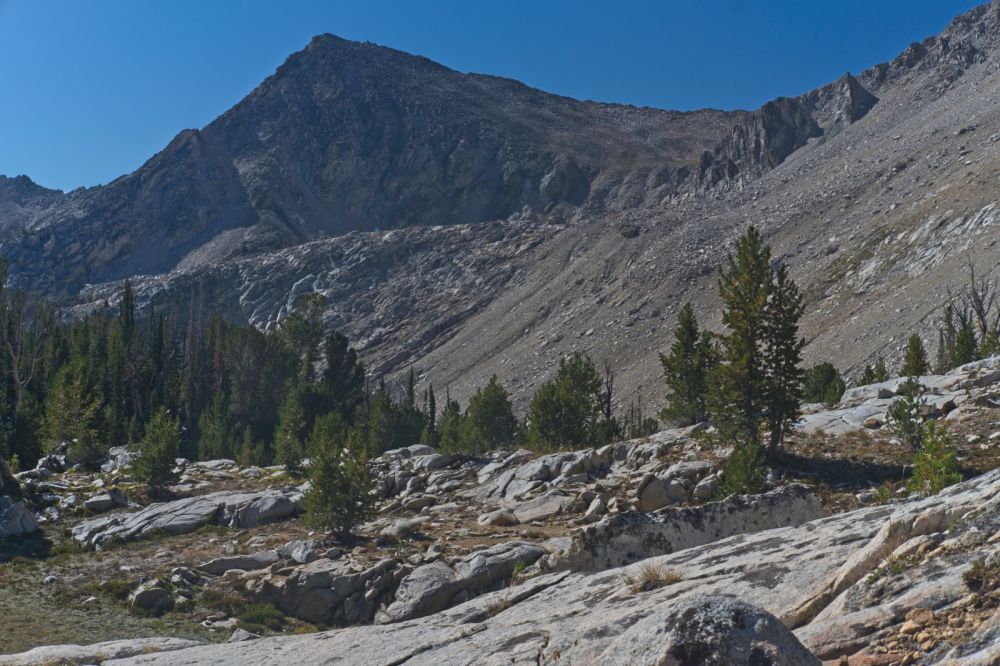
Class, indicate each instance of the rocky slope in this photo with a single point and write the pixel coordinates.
(876, 189)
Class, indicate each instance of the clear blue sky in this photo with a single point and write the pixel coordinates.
(90, 90)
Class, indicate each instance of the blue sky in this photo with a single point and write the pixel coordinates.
(90, 90)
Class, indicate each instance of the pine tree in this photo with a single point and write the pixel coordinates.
(740, 380)
(340, 496)
(965, 346)
(490, 422)
(158, 450)
(905, 415)
(292, 428)
(783, 356)
(685, 371)
(564, 411)
(344, 376)
(915, 361)
(881, 373)
(303, 329)
(823, 383)
(935, 464)
(71, 417)
(451, 427)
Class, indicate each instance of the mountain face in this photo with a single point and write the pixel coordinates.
(470, 225)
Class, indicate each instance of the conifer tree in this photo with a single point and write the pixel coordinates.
(915, 361)
(739, 381)
(965, 346)
(823, 383)
(344, 376)
(783, 356)
(71, 418)
(685, 370)
(292, 428)
(490, 422)
(158, 450)
(340, 496)
(565, 411)
(451, 426)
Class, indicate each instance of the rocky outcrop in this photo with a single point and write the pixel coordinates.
(628, 537)
(436, 586)
(865, 407)
(331, 591)
(581, 617)
(250, 562)
(232, 509)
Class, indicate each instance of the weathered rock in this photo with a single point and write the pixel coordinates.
(705, 490)
(105, 501)
(596, 509)
(15, 519)
(151, 596)
(708, 631)
(52, 462)
(232, 509)
(498, 518)
(541, 508)
(301, 551)
(403, 528)
(95, 653)
(632, 536)
(251, 562)
(329, 591)
(651, 493)
(433, 587)
(241, 635)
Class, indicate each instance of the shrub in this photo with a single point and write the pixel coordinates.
(935, 465)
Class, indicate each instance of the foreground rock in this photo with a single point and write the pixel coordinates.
(96, 653)
(801, 575)
(632, 536)
(709, 631)
(232, 509)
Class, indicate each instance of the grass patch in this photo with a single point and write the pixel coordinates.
(650, 576)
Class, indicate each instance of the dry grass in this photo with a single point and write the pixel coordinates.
(650, 576)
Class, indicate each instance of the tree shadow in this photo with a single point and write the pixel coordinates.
(852, 472)
(35, 546)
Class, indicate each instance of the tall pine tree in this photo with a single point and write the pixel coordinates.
(685, 370)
